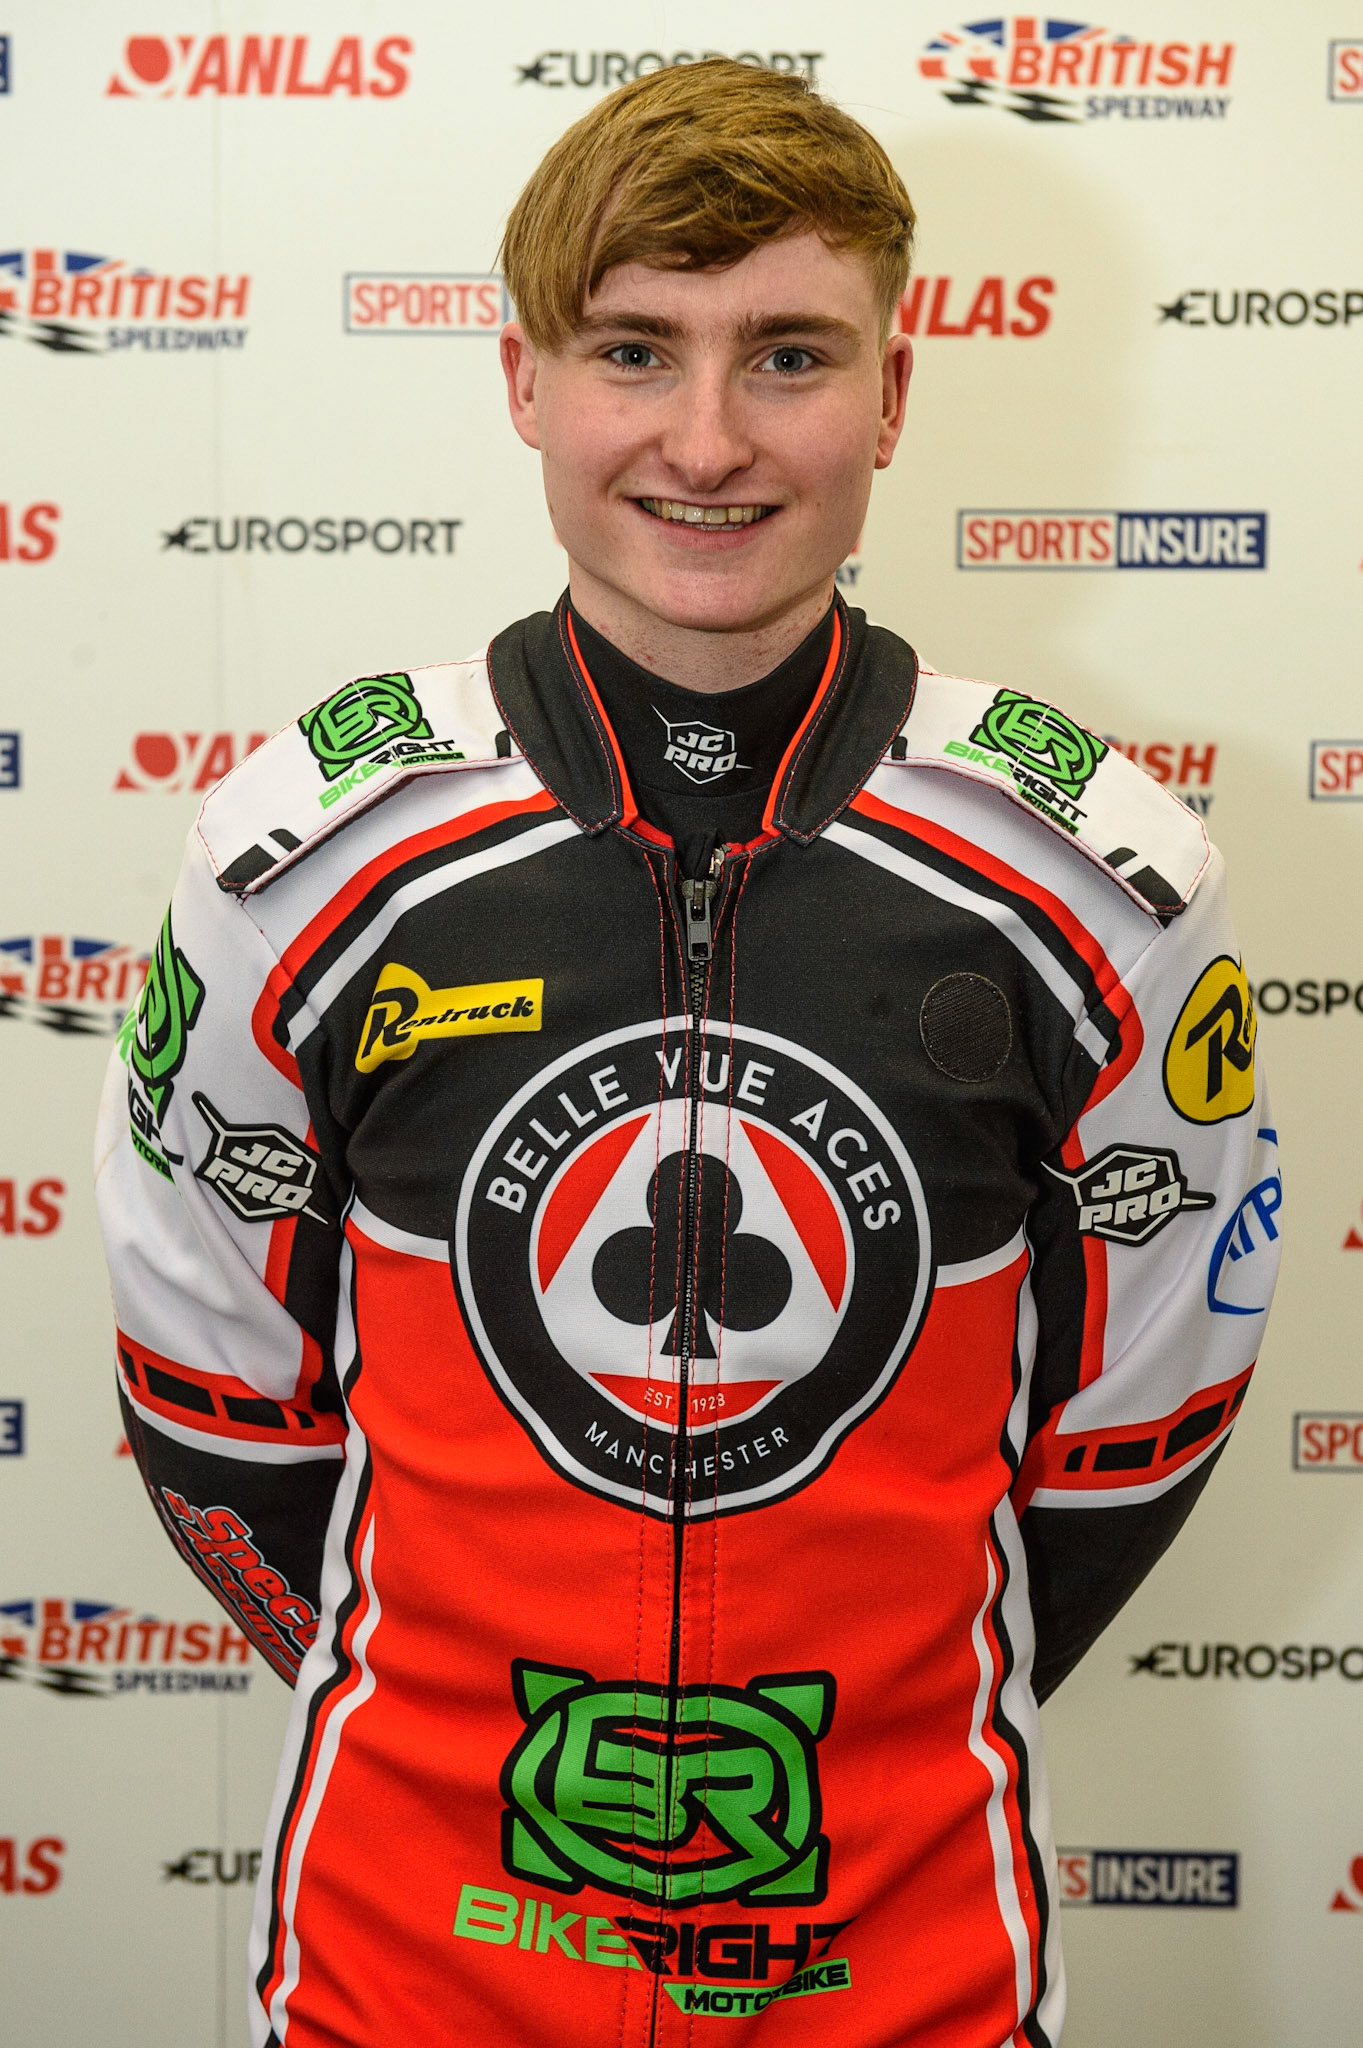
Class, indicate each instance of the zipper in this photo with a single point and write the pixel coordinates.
(698, 898)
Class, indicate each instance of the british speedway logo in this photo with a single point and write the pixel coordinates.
(1044, 69)
(92, 1649)
(73, 303)
(75, 986)
(808, 1289)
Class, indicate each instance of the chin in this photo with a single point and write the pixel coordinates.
(716, 604)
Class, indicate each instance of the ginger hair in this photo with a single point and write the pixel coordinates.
(691, 168)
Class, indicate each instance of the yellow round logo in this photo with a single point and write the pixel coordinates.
(1209, 1060)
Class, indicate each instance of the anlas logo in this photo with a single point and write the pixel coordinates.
(1042, 69)
(91, 1649)
(991, 306)
(176, 761)
(75, 304)
(260, 67)
(1350, 1898)
(74, 986)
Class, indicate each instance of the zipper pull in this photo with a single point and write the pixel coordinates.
(698, 897)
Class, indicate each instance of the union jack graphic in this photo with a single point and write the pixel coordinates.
(19, 1660)
(69, 985)
(971, 64)
(24, 267)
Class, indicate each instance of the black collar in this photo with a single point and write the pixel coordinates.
(546, 698)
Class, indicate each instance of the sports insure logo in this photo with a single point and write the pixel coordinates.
(1044, 538)
(809, 1288)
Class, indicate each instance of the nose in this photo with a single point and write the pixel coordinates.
(704, 440)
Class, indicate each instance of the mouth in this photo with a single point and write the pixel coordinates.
(679, 513)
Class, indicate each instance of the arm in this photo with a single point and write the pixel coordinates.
(220, 1221)
(1156, 1248)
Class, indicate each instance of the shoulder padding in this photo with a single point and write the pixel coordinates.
(1150, 844)
(341, 758)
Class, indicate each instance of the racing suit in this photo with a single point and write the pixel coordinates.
(672, 1366)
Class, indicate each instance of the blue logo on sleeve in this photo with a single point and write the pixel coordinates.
(1238, 1270)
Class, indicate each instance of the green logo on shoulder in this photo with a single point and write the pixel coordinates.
(166, 1014)
(360, 719)
(1042, 740)
(708, 1792)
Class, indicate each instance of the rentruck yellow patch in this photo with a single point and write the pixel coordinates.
(404, 1010)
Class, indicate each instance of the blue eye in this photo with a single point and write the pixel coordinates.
(789, 359)
(631, 355)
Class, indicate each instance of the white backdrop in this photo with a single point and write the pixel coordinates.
(245, 292)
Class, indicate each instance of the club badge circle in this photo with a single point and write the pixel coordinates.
(809, 1291)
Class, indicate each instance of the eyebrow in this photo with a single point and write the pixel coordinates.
(769, 327)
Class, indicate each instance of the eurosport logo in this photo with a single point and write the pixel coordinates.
(254, 534)
(1149, 1877)
(424, 302)
(11, 760)
(76, 304)
(13, 1435)
(1346, 70)
(991, 306)
(30, 1867)
(1042, 69)
(1244, 1260)
(1310, 997)
(1294, 1662)
(1003, 538)
(27, 532)
(1186, 768)
(1336, 772)
(91, 1649)
(72, 986)
(1327, 1440)
(172, 762)
(31, 1208)
(605, 69)
(812, 1270)
(212, 1866)
(260, 67)
(1208, 306)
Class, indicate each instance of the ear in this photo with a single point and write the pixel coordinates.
(519, 366)
(895, 372)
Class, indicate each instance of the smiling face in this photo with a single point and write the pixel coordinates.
(708, 440)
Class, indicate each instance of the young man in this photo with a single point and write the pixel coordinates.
(661, 1245)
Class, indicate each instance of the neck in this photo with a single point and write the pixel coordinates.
(695, 658)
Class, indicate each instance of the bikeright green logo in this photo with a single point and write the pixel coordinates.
(361, 718)
(630, 1788)
(166, 1012)
(1042, 740)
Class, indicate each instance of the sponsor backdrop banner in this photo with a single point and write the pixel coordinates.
(254, 445)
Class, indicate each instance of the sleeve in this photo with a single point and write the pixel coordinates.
(1156, 1242)
(219, 1213)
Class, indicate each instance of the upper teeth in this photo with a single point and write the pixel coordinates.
(703, 515)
